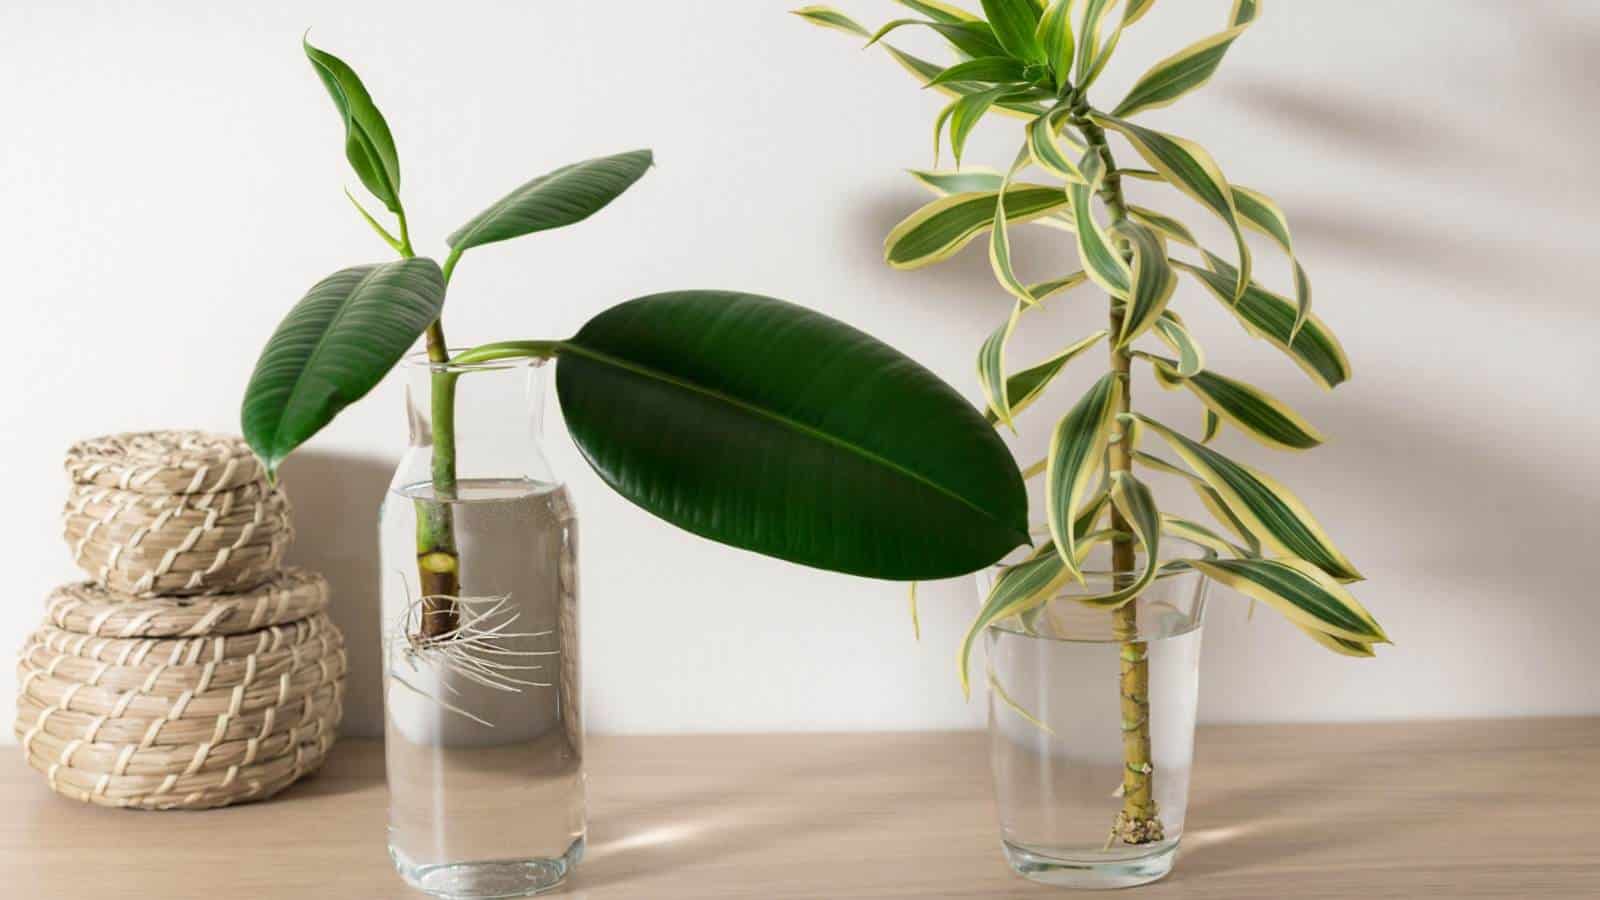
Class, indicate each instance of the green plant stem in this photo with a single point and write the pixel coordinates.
(438, 559)
(1138, 822)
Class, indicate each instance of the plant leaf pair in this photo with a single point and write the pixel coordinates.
(1266, 509)
(940, 229)
(1252, 410)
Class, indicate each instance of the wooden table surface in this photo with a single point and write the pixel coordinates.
(1443, 809)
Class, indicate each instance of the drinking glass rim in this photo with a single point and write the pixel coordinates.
(420, 360)
(1206, 554)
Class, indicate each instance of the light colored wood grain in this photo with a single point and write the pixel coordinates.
(1445, 809)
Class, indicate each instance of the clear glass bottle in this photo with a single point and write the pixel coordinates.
(1056, 725)
(484, 735)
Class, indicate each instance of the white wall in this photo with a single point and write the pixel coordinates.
(170, 176)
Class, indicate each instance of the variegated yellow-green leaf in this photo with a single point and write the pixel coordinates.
(1268, 510)
(1338, 645)
(1133, 499)
(1135, 11)
(967, 180)
(992, 367)
(1188, 167)
(1171, 329)
(1178, 74)
(939, 11)
(925, 71)
(940, 229)
(1025, 387)
(1167, 225)
(1055, 36)
(1050, 150)
(987, 69)
(966, 112)
(1195, 533)
(1006, 699)
(1253, 411)
(1090, 41)
(1304, 594)
(1316, 350)
(1103, 263)
(1219, 511)
(1076, 449)
(1156, 463)
(1017, 590)
(975, 39)
(1153, 281)
(1000, 243)
(828, 17)
(1261, 213)
(1016, 24)
(1213, 424)
(1044, 289)
(1244, 12)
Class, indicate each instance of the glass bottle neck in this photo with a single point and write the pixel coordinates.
(484, 423)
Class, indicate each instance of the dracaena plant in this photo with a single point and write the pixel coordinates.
(1037, 61)
(737, 417)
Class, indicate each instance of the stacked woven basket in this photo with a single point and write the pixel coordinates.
(192, 671)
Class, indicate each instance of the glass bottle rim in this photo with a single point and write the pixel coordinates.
(419, 360)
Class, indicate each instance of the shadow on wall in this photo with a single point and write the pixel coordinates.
(336, 498)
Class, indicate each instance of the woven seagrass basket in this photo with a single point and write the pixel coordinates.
(181, 703)
(173, 512)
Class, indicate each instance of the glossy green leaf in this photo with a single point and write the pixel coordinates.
(1179, 74)
(1076, 449)
(1315, 349)
(1265, 507)
(368, 145)
(768, 426)
(1188, 167)
(335, 345)
(1016, 23)
(1300, 591)
(1025, 386)
(940, 229)
(566, 196)
(828, 17)
(1153, 281)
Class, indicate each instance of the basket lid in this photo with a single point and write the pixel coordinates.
(88, 608)
(164, 462)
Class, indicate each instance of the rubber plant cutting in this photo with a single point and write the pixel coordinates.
(741, 418)
(1037, 63)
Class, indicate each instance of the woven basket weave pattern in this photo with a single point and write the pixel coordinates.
(193, 672)
(166, 513)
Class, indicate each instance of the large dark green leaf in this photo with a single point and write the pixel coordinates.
(367, 142)
(334, 346)
(767, 426)
(566, 196)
